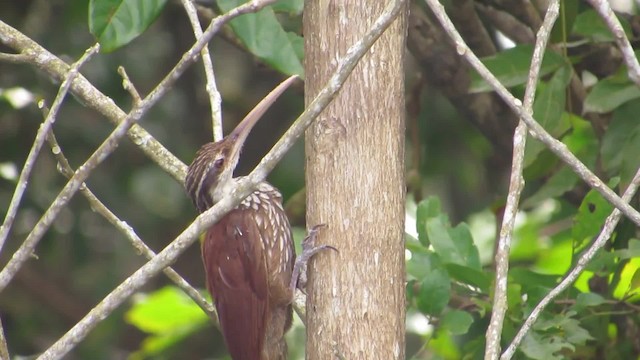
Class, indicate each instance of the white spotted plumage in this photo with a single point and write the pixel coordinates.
(266, 201)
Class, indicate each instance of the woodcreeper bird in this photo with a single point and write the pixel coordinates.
(248, 255)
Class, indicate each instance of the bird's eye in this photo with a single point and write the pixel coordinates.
(218, 163)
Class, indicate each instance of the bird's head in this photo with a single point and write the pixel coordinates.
(210, 175)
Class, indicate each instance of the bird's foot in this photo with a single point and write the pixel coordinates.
(299, 275)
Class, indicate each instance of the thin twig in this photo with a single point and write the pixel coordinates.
(127, 84)
(92, 97)
(608, 228)
(516, 184)
(14, 58)
(535, 129)
(128, 231)
(628, 55)
(215, 99)
(111, 143)
(4, 349)
(241, 190)
(45, 127)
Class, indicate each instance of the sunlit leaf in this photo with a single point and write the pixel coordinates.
(116, 22)
(164, 310)
(168, 315)
(634, 284)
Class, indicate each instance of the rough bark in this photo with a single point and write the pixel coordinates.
(355, 185)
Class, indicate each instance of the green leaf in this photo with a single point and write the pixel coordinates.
(584, 300)
(514, 296)
(590, 24)
(591, 215)
(562, 28)
(632, 250)
(549, 104)
(538, 347)
(608, 94)
(511, 67)
(634, 283)
(575, 334)
(621, 142)
(457, 322)
(263, 35)
(603, 264)
(548, 109)
(582, 142)
(427, 209)
(421, 264)
(298, 44)
(453, 245)
(565, 326)
(434, 293)
(115, 23)
(467, 250)
(560, 182)
(293, 7)
(529, 279)
(470, 276)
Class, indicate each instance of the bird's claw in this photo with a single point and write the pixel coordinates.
(308, 251)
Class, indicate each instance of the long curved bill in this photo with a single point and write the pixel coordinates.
(240, 133)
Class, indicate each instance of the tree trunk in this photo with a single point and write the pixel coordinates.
(355, 185)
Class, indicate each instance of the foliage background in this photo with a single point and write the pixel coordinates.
(459, 156)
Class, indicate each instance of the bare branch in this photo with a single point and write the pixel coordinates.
(111, 143)
(37, 145)
(604, 9)
(215, 99)
(516, 184)
(4, 349)
(127, 231)
(242, 189)
(535, 129)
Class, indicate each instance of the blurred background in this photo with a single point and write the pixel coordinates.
(458, 148)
